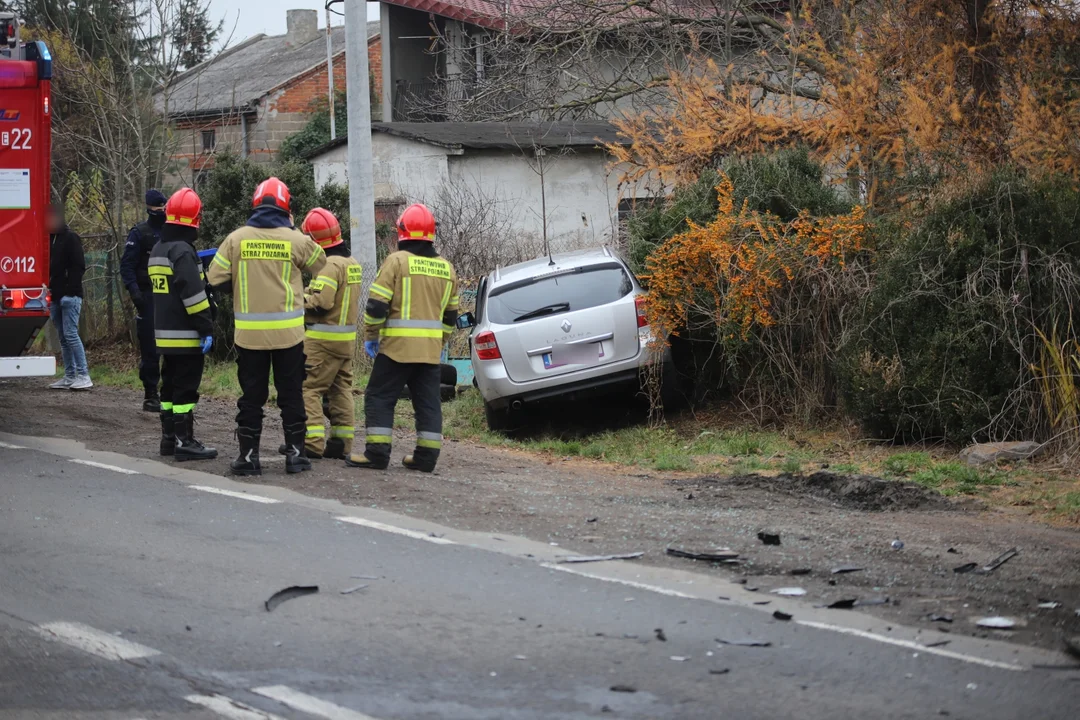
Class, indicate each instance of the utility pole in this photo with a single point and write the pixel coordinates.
(361, 184)
(330, 70)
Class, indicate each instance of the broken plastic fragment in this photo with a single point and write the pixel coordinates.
(355, 588)
(941, 618)
(1049, 605)
(660, 634)
(843, 569)
(745, 643)
(679, 658)
(999, 561)
(623, 688)
(288, 594)
(842, 604)
(998, 622)
(789, 591)
(897, 544)
(600, 558)
(720, 671)
(780, 615)
(720, 555)
(965, 568)
(769, 538)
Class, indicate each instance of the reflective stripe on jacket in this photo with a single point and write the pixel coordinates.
(264, 266)
(420, 292)
(181, 305)
(332, 302)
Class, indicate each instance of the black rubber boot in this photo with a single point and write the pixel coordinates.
(248, 462)
(335, 449)
(295, 455)
(412, 462)
(362, 460)
(168, 433)
(283, 449)
(151, 402)
(187, 447)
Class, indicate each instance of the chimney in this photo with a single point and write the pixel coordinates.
(303, 27)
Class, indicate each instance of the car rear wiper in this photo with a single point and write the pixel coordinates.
(541, 311)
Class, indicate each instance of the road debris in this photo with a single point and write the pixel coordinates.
(788, 591)
(965, 568)
(780, 615)
(520, 657)
(1048, 605)
(727, 556)
(355, 588)
(897, 544)
(745, 642)
(599, 558)
(623, 688)
(679, 658)
(660, 634)
(762, 602)
(999, 561)
(720, 671)
(842, 604)
(941, 618)
(937, 643)
(800, 571)
(768, 537)
(1072, 645)
(288, 594)
(953, 551)
(844, 569)
(998, 623)
(591, 520)
(872, 601)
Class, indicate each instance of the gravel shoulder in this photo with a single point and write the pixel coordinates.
(589, 507)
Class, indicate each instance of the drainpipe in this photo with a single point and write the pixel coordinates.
(243, 134)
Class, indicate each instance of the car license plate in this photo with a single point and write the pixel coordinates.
(548, 364)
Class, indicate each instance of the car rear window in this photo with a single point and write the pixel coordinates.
(582, 288)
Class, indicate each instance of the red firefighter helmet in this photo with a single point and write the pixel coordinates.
(416, 223)
(183, 208)
(272, 192)
(323, 228)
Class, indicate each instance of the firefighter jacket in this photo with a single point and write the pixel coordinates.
(263, 266)
(412, 306)
(332, 302)
(181, 305)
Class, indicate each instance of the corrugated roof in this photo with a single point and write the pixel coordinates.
(241, 75)
(496, 135)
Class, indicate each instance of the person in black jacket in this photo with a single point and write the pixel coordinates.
(140, 241)
(183, 327)
(66, 267)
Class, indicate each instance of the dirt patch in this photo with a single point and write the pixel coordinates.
(593, 508)
(854, 492)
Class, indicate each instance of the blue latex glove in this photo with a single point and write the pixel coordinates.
(206, 344)
(371, 347)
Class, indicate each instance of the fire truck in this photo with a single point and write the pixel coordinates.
(25, 146)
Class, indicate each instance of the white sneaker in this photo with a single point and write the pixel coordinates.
(63, 383)
(82, 383)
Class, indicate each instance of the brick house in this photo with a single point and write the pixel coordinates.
(252, 96)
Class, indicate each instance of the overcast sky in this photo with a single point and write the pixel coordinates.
(250, 17)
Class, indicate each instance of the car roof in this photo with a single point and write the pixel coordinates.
(542, 265)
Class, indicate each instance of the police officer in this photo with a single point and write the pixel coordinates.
(332, 302)
(261, 263)
(409, 316)
(140, 241)
(183, 328)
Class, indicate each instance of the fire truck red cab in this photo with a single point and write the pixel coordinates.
(25, 147)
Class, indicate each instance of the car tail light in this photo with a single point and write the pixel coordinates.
(24, 300)
(639, 305)
(486, 347)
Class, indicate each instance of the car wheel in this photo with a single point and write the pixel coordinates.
(497, 420)
(447, 374)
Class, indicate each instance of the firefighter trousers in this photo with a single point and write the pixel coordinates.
(388, 378)
(253, 371)
(328, 374)
(149, 364)
(180, 379)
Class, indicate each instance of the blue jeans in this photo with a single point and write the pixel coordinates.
(65, 316)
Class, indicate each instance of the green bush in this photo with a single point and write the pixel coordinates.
(947, 338)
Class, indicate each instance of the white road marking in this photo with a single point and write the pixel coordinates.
(230, 493)
(911, 645)
(307, 703)
(229, 708)
(95, 642)
(416, 534)
(9, 446)
(103, 466)
(628, 583)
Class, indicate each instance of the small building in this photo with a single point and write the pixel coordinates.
(252, 96)
(509, 173)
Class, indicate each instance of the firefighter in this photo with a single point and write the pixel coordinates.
(183, 328)
(140, 241)
(332, 302)
(409, 315)
(261, 264)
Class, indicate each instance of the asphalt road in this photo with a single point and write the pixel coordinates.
(135, 595)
